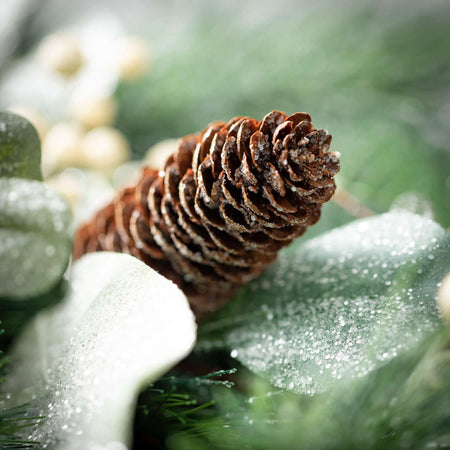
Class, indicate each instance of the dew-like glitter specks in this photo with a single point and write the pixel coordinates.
(342, 304)
(120, 325)
(35, 237)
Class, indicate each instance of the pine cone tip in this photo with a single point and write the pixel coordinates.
(225, 202)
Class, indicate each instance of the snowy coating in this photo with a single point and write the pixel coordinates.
(340, 305)
(35, 237)
(83, 362)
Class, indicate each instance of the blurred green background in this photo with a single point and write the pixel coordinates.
(375, 74)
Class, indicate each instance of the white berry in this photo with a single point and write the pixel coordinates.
(60, 53)
(134, 59)
(61, 147)
(104, 149)
(94, 112)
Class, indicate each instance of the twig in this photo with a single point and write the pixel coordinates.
(351, 204)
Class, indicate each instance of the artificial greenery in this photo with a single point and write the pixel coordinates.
(373, 75)
(35, 232)
(404, 404)
(179, 404)
(119, 326)
(20, 152)
(379, 90)
(13, 420)
(320, 313)
(17, 313)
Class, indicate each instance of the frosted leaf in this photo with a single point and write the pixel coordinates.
(35, 238)
(20, 149)
(340, 305)
(121, 326)
(415, 203)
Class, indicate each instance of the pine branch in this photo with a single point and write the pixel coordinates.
(178, 404)
(13, 420)
(402, 405)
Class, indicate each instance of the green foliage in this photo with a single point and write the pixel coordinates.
(17, 313)
(372, 75)
(121, 325)
(339, 305)
(363, 298)
(404, 404)
(13, 423)
(13, 420)
(35, 238)
(20, 149)
(35, 231)
(34, 250)
(178, 404)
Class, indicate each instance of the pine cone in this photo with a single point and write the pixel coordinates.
(227, 200)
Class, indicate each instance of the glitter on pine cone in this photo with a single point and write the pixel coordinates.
(226, 201)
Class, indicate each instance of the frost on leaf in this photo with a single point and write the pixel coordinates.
(340, 305)
(121, 326)
(35, 238)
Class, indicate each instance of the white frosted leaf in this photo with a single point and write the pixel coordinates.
(35, 238)
(121, 326)
(340, 305)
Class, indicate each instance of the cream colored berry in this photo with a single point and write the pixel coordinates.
(60, 53)
(104, 149)
(33, 116)
(94, 112)
(61, 147)
(157, 154)
(444, 297)
(68, 184)
(134, 59)
(127, 173)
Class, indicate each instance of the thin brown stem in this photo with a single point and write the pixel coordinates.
(351, 204)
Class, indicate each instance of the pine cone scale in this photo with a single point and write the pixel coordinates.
(227, 200)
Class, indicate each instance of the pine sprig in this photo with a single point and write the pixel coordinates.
(402, 405)
(176, 404)
(13, 420)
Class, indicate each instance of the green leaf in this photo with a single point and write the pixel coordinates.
(121, 326)
(338, 306)
(16, 314)
(404, 404)
(35, 238)
(20, 148)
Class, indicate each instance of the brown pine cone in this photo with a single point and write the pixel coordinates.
(227, 200)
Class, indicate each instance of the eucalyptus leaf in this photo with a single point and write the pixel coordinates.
(121, 326)
(35, 238)
(20, 148)
(338, 306)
